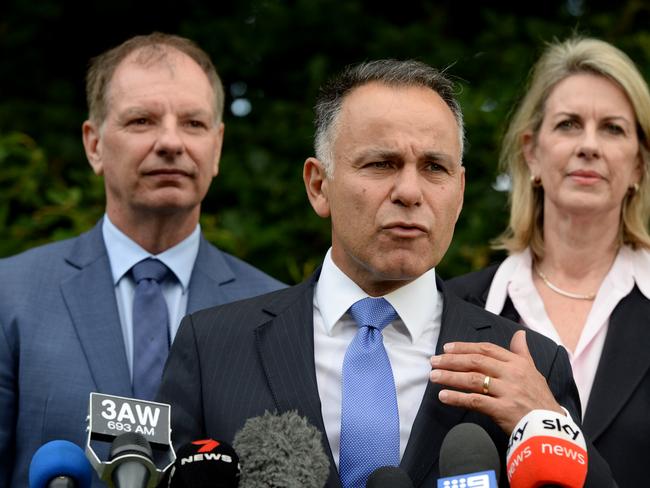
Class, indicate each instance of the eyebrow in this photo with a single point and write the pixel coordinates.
(608, 117)
(134, 111)
(139, 111)
(397, 155)
(438, 156)
(196, 113)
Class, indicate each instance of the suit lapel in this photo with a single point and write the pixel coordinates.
(210, 272)
(90, 297)
(623, 363)
(291, 374)
(476, 288)
(434, 419)
(286, 350)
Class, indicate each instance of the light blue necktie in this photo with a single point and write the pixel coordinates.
(150, 328)
(369, 415)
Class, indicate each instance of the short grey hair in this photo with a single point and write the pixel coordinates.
(390, 72)
(152, 48)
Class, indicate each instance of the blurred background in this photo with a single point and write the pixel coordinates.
(272, 55)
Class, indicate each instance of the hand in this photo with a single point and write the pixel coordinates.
(515, 388)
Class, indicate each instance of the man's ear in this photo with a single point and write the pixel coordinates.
(462, 192)
(92, 144)
(316, 184)
(219, 145)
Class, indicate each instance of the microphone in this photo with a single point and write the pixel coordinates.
(468, 457)
(59, 464)
(546, 448)
(139, 434)
(281, 451)
(389, 477)
(203, 464)
(131, 463)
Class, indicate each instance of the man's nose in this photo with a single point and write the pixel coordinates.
(169, 143)
(407, 190)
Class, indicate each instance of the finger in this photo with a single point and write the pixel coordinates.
(495, 408)
(471, 401)
(467, 362)
(483, 348)
(467, 382)
(519, 346)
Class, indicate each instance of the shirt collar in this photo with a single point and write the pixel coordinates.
(124, 252)
(415, 303)
(629, 267)
(514, 266)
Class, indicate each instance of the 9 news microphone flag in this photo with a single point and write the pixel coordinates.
(468, 458)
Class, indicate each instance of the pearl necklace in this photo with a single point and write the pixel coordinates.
(560, 291)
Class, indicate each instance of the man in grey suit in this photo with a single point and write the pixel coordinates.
(67, 320)
(388, 173)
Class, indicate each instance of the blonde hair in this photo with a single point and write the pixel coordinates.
(560, 60)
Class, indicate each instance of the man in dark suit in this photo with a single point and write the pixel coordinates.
(388, 172)
(68, 318)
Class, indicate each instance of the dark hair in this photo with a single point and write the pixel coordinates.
(391, 72)
(154, 47)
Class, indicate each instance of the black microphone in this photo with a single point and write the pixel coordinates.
(131, 462)
(467, 456)
(203, 464)
(389, 477)
(59, 464)
(281, 451)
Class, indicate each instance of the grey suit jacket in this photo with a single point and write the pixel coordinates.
(213, 390)
(60, 338)
(616, 417)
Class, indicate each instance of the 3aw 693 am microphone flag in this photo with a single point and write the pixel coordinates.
(147, 441)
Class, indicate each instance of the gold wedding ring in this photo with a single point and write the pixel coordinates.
(486, 385)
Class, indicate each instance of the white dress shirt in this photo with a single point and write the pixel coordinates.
(410, 341)
(514, 278)
(123, 253)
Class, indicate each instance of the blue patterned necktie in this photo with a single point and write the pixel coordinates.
(369, 415)
(150, 328)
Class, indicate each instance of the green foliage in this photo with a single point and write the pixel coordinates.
(36, 204)
(275, 54)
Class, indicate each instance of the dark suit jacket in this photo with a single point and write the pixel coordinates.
(234, 362)
(616, 418)
(60, 338)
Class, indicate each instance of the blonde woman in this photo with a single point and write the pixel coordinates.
(578, 269)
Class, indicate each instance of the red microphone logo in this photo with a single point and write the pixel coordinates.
(209, 445)
(546, 448)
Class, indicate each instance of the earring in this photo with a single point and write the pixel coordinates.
(632, 190)
(535, 181)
